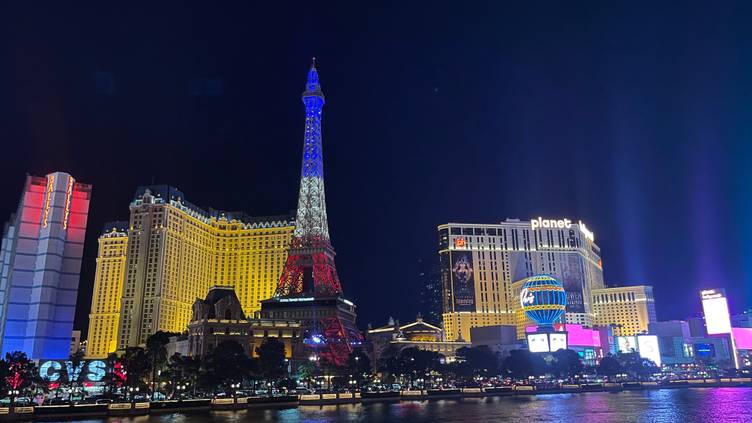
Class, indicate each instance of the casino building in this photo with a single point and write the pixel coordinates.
(169, 254)
(480, 262)
(40, 262)
(627, 309)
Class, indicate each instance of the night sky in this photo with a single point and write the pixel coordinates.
(637, 120)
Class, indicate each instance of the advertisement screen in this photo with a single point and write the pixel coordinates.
(558, 341)
(626, 344)
(573, 279)
(64, 371)
(705, 350)
(648, 346)
(716, 315)
(463, 281)
(537, 342)
(742, 338)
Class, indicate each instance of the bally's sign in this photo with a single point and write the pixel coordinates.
(541, 223)
(67, 371)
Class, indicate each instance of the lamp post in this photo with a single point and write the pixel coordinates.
(13, 393)
(314, 360)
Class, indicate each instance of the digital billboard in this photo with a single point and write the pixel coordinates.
(66, 371)
(463, 281)
(573, 280)
(648, 347)
(715, 308)
(537, 342)
(704, 350)
(558, 341)
(742, 338)
(626, 344)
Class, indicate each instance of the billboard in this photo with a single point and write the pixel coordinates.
(704, 350)
(577, 336)
(558, 341)
(537, 342)
(67, 371)
(648, 347)
(626, 344)
(463, 281)
(742, 338)
(573, 280)
(715, 308)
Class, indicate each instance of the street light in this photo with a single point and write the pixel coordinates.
(13, 393)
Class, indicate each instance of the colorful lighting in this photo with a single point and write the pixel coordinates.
(48, 200)
(68, 195)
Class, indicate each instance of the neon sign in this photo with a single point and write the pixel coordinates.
(50, 187)
(541, 223)
(550, 223)
(68, 194)
(459, 242)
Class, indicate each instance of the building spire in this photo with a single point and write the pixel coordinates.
(313, 87)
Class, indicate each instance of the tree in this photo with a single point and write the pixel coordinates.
(227, 364)
(21, 372)
(182, 370)
(609, 366)
(636, 366)
(137, 366)
(359, 364)
(566, 364)
(522, 363)
(271, 359)
(306, 371)
(155, 349)
(476, 361)
(114, 376)
(77, 364)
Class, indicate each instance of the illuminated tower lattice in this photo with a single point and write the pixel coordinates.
(310, 267)
(309, 288)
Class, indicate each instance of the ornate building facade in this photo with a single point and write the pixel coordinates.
(175, 252)
(216, 319)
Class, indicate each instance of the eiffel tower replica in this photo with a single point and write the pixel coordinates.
(309, 289)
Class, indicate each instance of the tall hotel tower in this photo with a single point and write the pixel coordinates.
(309, 289)
(40, 263)
(481, 264)
(152, 268)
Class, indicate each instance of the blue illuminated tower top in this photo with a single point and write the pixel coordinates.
(311, 220)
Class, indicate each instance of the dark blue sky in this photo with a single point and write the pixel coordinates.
(635, 119)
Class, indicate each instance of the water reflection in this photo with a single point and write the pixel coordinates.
(677, 405)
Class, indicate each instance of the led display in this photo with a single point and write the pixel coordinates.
(538, 342)
(648, 347)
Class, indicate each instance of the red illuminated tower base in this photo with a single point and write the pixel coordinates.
(309, 290)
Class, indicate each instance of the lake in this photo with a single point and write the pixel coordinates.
(666, 405)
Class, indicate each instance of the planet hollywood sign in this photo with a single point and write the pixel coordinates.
(67, 371)
(541, 223)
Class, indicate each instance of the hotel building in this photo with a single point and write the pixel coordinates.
(628, 309)
(480, 262)
(174, 253)
(108, 286)
(40, 262)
